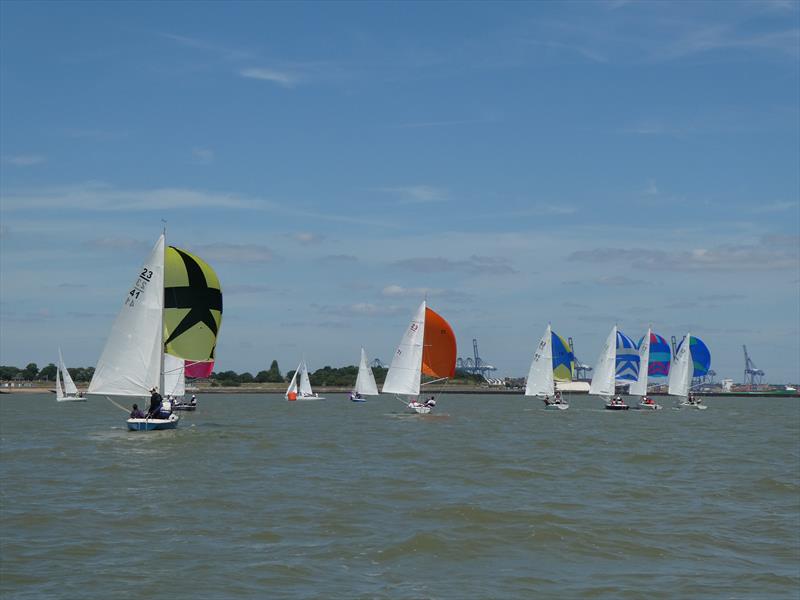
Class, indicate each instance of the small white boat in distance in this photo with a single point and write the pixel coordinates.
(365, 381)
(604, 378)
(300, 386)
(639, 387)
(680, 377)
(541, 382)
(70, 392)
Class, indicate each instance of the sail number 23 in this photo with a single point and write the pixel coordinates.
(139, 287)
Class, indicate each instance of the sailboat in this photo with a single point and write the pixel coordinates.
(174, 307)
(175, 384)
(680, 376)
(541, 379)
(639, 387)
(428, 346)
(69, 393)
(365, 381)
(618, 362)
(300, 386)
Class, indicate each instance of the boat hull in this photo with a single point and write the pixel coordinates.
(70, 399)
(418, 409)
(692, 405)
(643, 406)
(185, 407)
(556, 406)
(314, 397)
(153, 424)
(617, 407)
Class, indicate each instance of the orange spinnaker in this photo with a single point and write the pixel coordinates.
(439, 347)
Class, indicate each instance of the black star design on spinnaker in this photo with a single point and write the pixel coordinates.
(197, 297)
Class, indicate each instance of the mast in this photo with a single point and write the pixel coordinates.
(163, 310)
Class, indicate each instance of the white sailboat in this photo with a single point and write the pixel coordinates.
(69, 392)
(430, 350)
(147, 327)
(639, 387)
(300, 386)
(604, 377)
(132, 361)
(365, 381)
(540, 381)
(680, 376)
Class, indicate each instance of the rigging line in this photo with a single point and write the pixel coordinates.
(117, 405)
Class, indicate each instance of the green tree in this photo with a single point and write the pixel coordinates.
(274, 373)
(30, 372)
(8, 373)
(246, 378)
(48, 373)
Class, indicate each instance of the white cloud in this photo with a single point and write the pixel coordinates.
(307, 237)
(282, 78)
(203, 156)
(413, 194)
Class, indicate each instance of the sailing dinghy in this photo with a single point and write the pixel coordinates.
(680, 376)
(69, 392)
(428, 347)
(639, 387)
(174, 307)
(365, 381)
(618, 362)
(300, 386)
(541, 380)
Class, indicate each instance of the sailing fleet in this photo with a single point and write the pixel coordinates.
(168, 325)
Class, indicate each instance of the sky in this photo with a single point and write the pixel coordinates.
(582, 164)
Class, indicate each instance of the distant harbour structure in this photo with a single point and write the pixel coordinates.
(475, 365)
(752, 374)
(582, 370)
(377, 364)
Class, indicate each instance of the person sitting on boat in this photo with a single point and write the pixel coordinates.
(136, 413)
(430, 402)
(193, 401)
(156, 404)
(557, 397)
(617, 399)
(546, 400)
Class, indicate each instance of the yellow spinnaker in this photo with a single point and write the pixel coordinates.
(193, 306)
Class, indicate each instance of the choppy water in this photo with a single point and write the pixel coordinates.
(493, 497)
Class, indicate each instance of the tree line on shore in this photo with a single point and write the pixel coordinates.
(326, 376)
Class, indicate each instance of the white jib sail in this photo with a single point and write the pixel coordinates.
(174, 379)
(365, 382)
(59, 389)
(639, 387)
(603, 378)
(305, 382)
(130, 364)
(681, 370)
(70, 389)
(540, 376)
(293, 383)
(404, 372)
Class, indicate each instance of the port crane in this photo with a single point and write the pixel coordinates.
(476, 364)
(752, 375)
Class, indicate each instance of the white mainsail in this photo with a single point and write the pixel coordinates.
(174, 379)
(70, 389)
(681, 370)
(603, 380)
(639, 387)
(305, 382)
(365, 382)
(130, 364)
(405, 371)
(540, 376)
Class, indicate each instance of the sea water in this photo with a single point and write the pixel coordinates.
(488, 497)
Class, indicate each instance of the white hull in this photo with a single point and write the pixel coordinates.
(560, 406)
(71, 399)
(314, 397)
(419, 409)
(692, 405)
(643, 406)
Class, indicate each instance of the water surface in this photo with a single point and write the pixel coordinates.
(491, 497)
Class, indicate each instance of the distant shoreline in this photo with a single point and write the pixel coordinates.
(449, 389)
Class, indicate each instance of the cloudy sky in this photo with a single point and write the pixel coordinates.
(580, 163)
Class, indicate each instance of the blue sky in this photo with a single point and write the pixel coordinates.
(578, 163)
